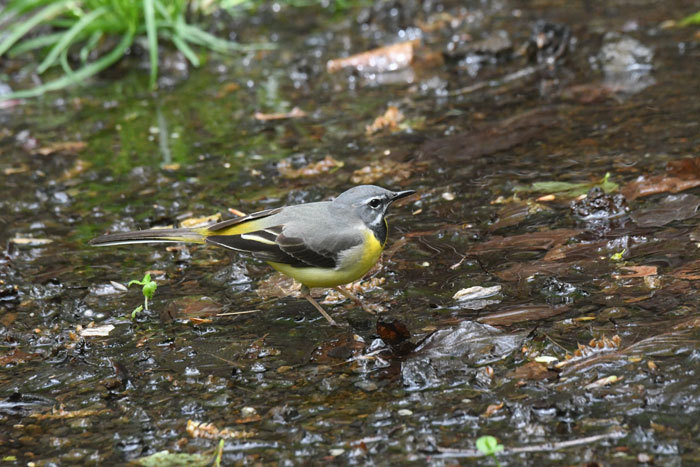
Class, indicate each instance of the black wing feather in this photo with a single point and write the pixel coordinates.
(297, 248)
(287, 250)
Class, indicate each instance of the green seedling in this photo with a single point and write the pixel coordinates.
(218, 454)
(690, 20)
(618, 256)
(148, 288)
(489, 446)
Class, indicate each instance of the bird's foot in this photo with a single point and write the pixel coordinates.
(306, 293)
(347, 294)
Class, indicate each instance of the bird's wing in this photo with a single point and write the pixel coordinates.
(289, 245)
(239, 225)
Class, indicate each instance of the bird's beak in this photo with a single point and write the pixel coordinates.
(401, 194)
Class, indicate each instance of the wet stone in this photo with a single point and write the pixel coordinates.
(597, 204)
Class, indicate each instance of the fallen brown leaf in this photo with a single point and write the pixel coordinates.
(60, 414)
(72, 147)
(210, 431)
(533, 371)
(492, 409)
(390, 119)
(383, 59)
(681, 174)
(603, 382)
(393, 333)
(296, 112)
(637, 271)
(16, 356)
(689, 271)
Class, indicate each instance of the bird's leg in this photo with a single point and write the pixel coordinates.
(354, 298)
(306, 293)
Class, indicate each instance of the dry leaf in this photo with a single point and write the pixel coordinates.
(296, 112)
(60, 414)
(603, 382)
(533, 371)
(16, 356)
(492, 409)
(72, 147)
(390, 119)
(99, 331)
(383, 59)
(209, 431)
(637, 271)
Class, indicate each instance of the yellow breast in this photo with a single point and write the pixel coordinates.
(352, 265)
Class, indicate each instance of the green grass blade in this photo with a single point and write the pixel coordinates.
(152, 34)
(162, 10)
(199, 36)
(209, 40)
(79, 75)
(186, 50)
(34, 43)
(89, 45)
(68, 38)
(25, 26)
(692, 19)
(19, 7)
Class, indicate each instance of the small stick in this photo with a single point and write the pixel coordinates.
(544, 447)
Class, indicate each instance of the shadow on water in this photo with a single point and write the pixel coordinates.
(561, 318)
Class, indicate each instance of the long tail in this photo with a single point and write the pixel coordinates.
(151, 236)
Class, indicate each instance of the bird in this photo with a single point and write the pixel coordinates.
(320, 244)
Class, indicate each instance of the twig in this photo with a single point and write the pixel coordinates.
(494, 83)
(237, 313)
(544, 447)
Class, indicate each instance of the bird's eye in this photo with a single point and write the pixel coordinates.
(374, 203)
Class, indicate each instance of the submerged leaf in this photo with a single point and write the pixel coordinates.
(569, 189)
(383, 59)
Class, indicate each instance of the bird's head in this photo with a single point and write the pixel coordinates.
(370, 202)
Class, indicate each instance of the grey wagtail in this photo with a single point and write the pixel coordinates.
(323, 244)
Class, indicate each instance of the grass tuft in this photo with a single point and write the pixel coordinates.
(81, 26)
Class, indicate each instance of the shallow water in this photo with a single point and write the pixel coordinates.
(493, 102)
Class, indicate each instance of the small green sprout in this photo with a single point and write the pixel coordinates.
(148, 289)
(618, 256)
(489, 446)
(218, 454)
